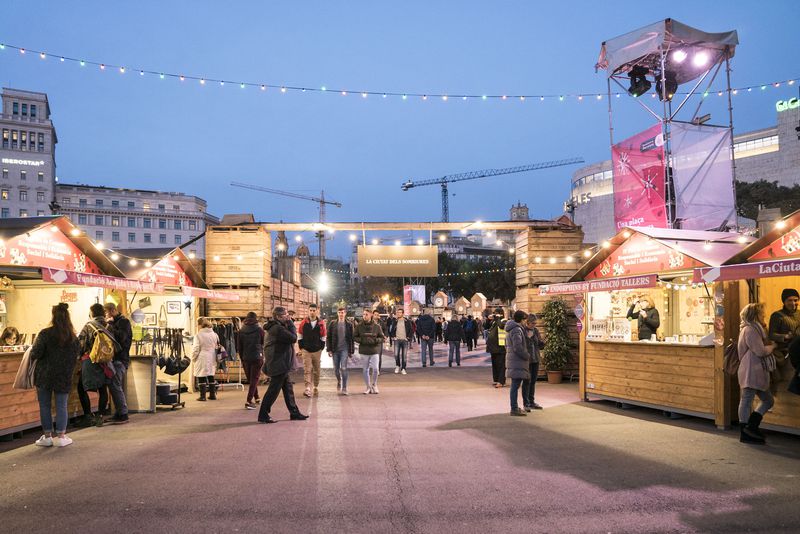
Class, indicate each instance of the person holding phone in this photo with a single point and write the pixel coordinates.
(647, 318)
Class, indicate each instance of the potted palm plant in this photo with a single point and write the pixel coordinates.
(558, 345)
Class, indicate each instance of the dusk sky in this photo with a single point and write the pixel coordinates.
(136, 131)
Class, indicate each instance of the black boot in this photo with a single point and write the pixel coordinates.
(212, 391)
(754, 422)
(747, 435)
(203, 387)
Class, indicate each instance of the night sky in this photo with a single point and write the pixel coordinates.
(142, 132)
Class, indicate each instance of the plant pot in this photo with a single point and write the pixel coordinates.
(554, 377)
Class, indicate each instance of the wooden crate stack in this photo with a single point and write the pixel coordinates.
(244, 267)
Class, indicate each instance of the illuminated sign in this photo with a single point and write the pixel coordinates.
(641, 255)
(28, 162)
(377, 260)
(783, 105)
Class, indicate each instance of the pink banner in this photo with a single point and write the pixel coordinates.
(786, 245)
(747, 271)
(167, 272)
(45, 247)
(642, 255)
(639, 180)
(610, 284)
(59, 276)
(211, 294)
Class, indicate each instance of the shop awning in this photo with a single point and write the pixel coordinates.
(609, 284)
(747, 271)
(211, 294)
(60, 276)
(167, 266)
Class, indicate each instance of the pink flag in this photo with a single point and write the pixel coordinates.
(639, 180)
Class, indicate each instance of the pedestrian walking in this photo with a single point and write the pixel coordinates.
(426, 330)
(204, 358)
(250, 346)
(278, 356)
(518, 360)
(311, 339)
(341, 347)
(455, 335)
(369, 336)
(120, 327)
(756, 361)
(401, 330)
(391, 322)
(55, 353)
(496, 349)
(439, 329)
(535, 345)
(469, 332)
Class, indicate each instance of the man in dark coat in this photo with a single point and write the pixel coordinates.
(535, 345)
(120, 327)
(426, 331)
(497, 351)
(250, 346)
(647, 318)
(518, 359)
(278, 354)
(454, 336)
(341, 347)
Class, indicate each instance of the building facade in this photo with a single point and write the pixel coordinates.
(771, 154)
(136, 218)
(27, 154)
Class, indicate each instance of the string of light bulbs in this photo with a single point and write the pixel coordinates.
(362, 93)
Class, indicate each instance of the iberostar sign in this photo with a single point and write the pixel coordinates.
(377, 260)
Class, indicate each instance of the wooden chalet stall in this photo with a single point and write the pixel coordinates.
(762, 270)
(680, 371)
(35, 252)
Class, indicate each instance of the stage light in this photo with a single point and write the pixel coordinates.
(678, 56)
(639, 83)
(700, 59)
(670, 86)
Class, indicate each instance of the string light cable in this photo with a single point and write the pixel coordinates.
(361, 93)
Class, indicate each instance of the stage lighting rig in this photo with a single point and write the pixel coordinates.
(639, 82)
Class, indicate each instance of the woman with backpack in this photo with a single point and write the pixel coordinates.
(204, 357)
(55, 352)
(755, 360)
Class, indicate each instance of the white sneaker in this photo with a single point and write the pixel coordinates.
(344, 393)
(44, 441)
(63, 442)
(368, 391)
(403, 372)
(396, 370)
(375, 390)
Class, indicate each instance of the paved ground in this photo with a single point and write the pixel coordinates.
(434, 452)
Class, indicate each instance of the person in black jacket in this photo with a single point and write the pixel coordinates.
(496, 327)
(455, 335)
(341, 347)
(278, 355)
(426, 330)
(55, 353)
(120, 327)
(250, 346)
(647, 318)
(311, 340)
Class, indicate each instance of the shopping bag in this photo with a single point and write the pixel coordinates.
(24, 378)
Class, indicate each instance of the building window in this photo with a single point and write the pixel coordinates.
(23, 213)
(131, 204)
(114, 221)
(33, 111)
(40, 196)
(131, 222)
(115, 237)
(31, 140)
(98, 220)
(40, 177)
(176, 207)
(177, 224)
(65, 201)
(15, 108)
(5, 213)
(162, 238)
(147, 238)
(24, 141)
(115, 203)
(23, 196)
(40, 213)
(146, 206)
(24, 110)
(41, 142)
(23, 175)
(146, 222)
(161, 208)
(5, 138)
(82, 219)
(5, 174)
(14, 138)
(178, 239)
(98, 202)
(162, 224)
(82, 203)
(4, 194)
(192, 225)
(98, 235)
(131, 237)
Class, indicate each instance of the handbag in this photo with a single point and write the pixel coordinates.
(93, 376)
(769, 363)
(24, 377)
(222, 354)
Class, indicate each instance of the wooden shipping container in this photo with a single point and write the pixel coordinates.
(238, 256)
(257, 299)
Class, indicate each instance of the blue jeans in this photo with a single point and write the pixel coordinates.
(400, 351)
(455, 346)
(117, 388)
(340, 367)
(515, 385)
(370, 361)
(426, 345)
(746, 402)
(45, 397)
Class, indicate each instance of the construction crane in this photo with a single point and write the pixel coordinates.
(450, 178)
(322, 203)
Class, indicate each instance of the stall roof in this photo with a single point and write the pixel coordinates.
(13, 227)
(790, 225)
(136, 272)
(708, 248)
(643, 47)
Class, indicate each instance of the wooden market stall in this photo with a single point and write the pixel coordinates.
(681, 369)
(763, 269)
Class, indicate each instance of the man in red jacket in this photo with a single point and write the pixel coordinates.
(311, 338)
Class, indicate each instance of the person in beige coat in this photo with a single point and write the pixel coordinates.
(755, 358)
(204, 358)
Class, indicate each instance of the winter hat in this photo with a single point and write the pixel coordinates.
(789, 292)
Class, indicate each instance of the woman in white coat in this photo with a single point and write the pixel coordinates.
(755, 363)
(204, 358)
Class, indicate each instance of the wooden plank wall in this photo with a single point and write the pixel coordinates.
(252, 243)
(680, 377)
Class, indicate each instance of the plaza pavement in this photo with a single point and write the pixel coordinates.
(435, 451)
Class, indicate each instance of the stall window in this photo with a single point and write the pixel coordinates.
(40, 177)
(5, 213)
(146, 222)
(23, 196)
(82, 219)
(131, 222)
(115, 237)
(162, 224)
(162, 238)
(98, 220)
(40, 196)
(178, 239)
(4, 194)
(131, 237)
(148, 238)
(114, 221)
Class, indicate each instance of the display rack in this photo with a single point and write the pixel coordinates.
(165, 343)
(234, 358)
